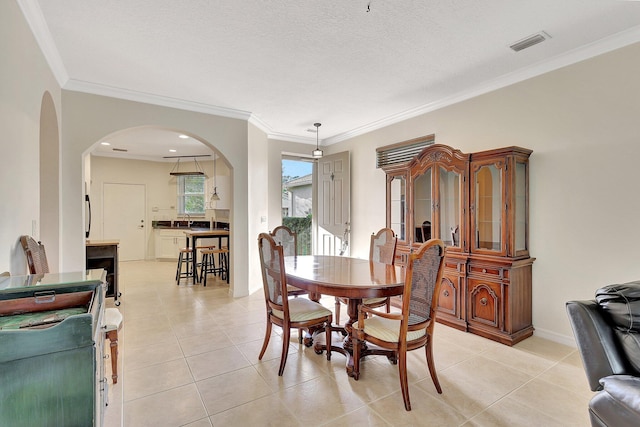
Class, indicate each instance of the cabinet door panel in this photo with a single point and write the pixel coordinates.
(449, 295)
(521, 208)
(488, 220)
(396, 196)
(422, 206)
(450, 213)
(484, 302)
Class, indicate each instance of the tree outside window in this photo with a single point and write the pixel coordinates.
(191, 194)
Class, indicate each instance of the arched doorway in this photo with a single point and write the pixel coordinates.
(139, 159)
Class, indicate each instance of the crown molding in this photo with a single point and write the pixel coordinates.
(148, 98)
(294, 138)
(582, 53)
(33, 15)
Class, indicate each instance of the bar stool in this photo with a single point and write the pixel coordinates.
(209, 263)
(199, 249)
(185, 256)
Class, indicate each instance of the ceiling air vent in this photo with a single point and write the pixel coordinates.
(122, 150)
(530, 41)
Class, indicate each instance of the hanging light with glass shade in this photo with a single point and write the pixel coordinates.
(214, 196)
(317, 153)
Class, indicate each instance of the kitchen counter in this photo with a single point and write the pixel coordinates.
(184, 225)
(102, 242)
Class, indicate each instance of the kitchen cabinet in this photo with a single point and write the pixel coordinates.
(168, 243)
(478, 204)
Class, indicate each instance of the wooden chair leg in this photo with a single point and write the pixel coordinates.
(388, 305)
(267, 335)
(286, 336)
(328, 329)
(113, 339)
(404, 384)
(432, 367)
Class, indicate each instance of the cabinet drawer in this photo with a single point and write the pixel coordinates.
(485, 302)
(489, 272)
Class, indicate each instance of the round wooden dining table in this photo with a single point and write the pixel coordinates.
(351, 278)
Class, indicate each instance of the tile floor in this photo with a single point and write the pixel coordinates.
(189, 357)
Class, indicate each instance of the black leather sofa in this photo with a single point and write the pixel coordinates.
(607, 332)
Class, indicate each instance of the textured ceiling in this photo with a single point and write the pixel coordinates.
(353, 65)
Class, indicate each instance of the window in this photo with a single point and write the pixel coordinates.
(191, 194)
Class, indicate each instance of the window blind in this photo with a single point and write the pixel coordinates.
(402, 152)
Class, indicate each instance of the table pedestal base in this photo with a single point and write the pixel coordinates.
(346, 348)
(347, 344)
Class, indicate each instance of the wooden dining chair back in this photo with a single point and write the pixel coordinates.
(288, 239)
(298, 313)
(382, 248)
(35, 254)
(397, 333)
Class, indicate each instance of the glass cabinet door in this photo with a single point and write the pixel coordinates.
(520, 207)
(397, 203)
(422, 207)
(449, 207)
(488, 208)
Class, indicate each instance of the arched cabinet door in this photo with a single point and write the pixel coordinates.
(438, 197)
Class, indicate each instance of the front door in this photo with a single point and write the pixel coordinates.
(124, 213)
(334, 194)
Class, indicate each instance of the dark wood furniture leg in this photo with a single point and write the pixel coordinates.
(113, 339)
(347, 344)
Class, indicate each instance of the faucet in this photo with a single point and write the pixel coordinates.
(188, 219)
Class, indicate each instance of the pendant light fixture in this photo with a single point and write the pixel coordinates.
(176, 168)
(214, 195)
(317, 153)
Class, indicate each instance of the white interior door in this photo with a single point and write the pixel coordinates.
(334, 195)
(123, 218)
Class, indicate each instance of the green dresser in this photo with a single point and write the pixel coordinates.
(51, 349)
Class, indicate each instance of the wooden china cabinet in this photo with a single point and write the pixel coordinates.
(478, 204)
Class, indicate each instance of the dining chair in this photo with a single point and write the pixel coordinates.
(397, 333)
(288, 239)
(299, 313)
(35, 254)
(382, 248)
(112, 321)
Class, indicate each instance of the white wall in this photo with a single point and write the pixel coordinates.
(583, 124)
(24, 79)
(258, 201)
